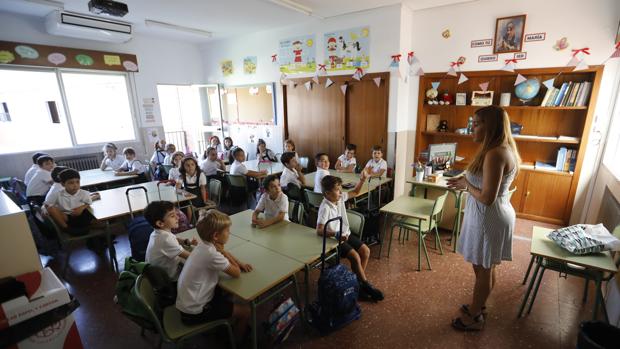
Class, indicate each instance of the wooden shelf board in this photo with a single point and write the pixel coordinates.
(517, 138)
(514, 107)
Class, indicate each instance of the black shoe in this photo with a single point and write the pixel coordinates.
(363, 296)
(374, 293)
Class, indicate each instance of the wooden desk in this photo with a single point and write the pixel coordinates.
(349, 178)
(233, 241)
(442, 184)
(544, 250)
(254, 165)
(94, 177)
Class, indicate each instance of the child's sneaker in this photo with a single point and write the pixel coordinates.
(373, 292)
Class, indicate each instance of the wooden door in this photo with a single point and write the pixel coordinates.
(518, 196)
(366, 115)
(546, 196)
(315, 120)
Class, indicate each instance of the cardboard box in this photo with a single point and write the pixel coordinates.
(59, 335)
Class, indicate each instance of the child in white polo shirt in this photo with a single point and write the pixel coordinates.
(322, 170)
(346, 162)
(110, 158)
(292, 171)
(32, 169)
(131, 166)
(273, 203)
(376, 167)
(352, 247)
(199, 299)
(57, 186)
(212, 164)
(42, 181)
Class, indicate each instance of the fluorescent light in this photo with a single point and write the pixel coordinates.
(293, 6)
(157, 24)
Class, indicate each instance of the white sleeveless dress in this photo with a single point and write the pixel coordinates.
(486, 233)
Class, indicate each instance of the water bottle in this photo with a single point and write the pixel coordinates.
(470, 125)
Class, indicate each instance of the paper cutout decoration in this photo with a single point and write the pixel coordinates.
(549, 83)
(582, 65)
(616, 53)
(83, 59)
(561, 44)
(573, 62)
(396, 73)
(274, 58)
(420, 72)
(462, 79)
(58, 58)
(316, 79)
(484, 86)
(435, 84)
(451, 71)
(359, 73)
(377, 81)
(395, 61)
(520, 79)
(410, 58)
(322, 69)
(26, 52)
(343, 88)
(446, 34)
(347, 49)
(130, 66)
(510, 65)
(111, 60)
(297, 54)
(308, 85)
(328, 82)
(6, 57)
(585, 50)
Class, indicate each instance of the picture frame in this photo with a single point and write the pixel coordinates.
(461, 98)
(482, 98)
(509, 32)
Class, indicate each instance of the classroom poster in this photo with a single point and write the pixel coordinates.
(347, 49)
(249, 65)
(297, 55)
(227, 67)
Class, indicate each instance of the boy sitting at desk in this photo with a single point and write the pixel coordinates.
(131, 166)
(352, 247)
(41, 181)
(347, 162)
(376, 166)
(292, 171)
(322, 170)
(238, 168)
(273, 203)
(164, 249)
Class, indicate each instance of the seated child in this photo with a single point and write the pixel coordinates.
(322, 170)
(376, 167)
(212, 164)
(159, 155)
(352, 247)
(110, 158)
(57, 186)
(263, 153)
(174, 174)
(69, 206)
(273, 203)
(170, 149)
(131, 166)
(292, 171)
(228, 148)
(238, 168)
(32, 169)
(346, 162)
(164, 249)
(193, 181)
(214, 142)
(289, 145)
(42, 181)
(199, 299)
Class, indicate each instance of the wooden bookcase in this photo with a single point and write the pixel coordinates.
(541, 195)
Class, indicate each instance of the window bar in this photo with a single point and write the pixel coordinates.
(53, 110)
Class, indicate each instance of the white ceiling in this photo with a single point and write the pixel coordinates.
(223, 18)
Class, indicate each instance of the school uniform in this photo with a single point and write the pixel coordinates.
(209, 168)
(66, 202)
(158, 157)
(198, 297)
(272, 208)
(163, 250)
(174, 174)
(56, 187)
(238, 168)
(114, 164)
(38, 186)
(192, 185)
(267, 155)
(320, 173)
(329, 210)
(168, 160)
(134, 165)
(31, 171)
(344, 162)
(289, 176)
(378, 166)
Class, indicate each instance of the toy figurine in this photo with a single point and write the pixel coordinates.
(443, 126)
(447, 98)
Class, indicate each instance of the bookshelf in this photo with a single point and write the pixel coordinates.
(541, 195)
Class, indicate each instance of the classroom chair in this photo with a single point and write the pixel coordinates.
(215, 191)
(422, 226)
(237, 184)
(278, 156)
(356, 223)
(303, 162)
(295, 211)
(312, 201)
(168, 324)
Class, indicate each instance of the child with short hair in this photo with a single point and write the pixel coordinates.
(42, 181)
(131, 165)
(238, 168)
(174, 174)
(376, 166)
(164, 249)
(352, 247)
(212, 164)
(322, 170)
(32, 169)
(292, 171)
(170, 149)
(69, 206)
(263, 153)
(110, 158)
(273, 203)
(199, 298)
(57, 186)
(347, 162)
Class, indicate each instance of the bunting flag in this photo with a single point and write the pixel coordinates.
(520, 79)
(616, 53)
(359, 73)
(549, 83)
(322, 69)
(510, 65)
(573, 62)
(462, 79)
(484, 86)
(396, 73)
(328, 82)
(274, 58)
(308, 85)
(316, 79)
(343, 88)
(292, 83)
(451, 71)
(395, 61)
(435, 84)
(377, 81)
(420, 72)
(582, 65)
(410, 57)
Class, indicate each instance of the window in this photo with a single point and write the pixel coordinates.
(34, 116)
(611, 157)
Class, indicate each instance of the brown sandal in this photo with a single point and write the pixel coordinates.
(477, 325)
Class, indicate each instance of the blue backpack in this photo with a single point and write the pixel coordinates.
(138, 229)
(338, 291)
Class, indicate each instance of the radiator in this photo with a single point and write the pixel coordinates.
(609, 213)
(80, 162)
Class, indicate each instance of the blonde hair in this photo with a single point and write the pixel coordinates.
(211, 222)
(497, 133)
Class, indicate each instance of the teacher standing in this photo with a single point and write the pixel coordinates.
(489, 219)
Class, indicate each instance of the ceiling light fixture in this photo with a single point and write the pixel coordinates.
(293, 6)
(158, 24)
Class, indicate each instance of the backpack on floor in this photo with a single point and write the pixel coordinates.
(138, 229)
(372, 216)
(125, 297)
(338, 291)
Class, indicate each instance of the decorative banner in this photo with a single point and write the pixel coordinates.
(487, 58)
(549, 83)
(274, 58)
(297, 55)
(249, 65)
(395, 61)
(226, 67)
(27, 52)
(58, 58)
(510, 65)
(484, 86)
(535, 37)
(573, 62)
(520, 79)
(359, 73)
(462, 79)
(582, 65)
(316, 79)
(561, 44)
(343, 88)
(328, 82)
(435, 84)
(308, 85)
(520, 56)
(451, 71)
(481, 43)
(377, 81)
(347, 49)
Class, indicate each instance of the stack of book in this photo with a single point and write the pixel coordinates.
(570, 94)
(565, 161)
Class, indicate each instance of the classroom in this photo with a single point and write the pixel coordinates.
(309, 174)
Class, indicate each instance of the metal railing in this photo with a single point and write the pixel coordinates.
(178, 138)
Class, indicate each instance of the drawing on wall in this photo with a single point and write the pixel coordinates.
(347, 49)
(297, 55)
(249, 65)
(227, 67)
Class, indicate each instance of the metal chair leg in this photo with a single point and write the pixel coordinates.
(438, 241)
(527, 273)
(529, 289)
(428, 261)
(542, 272)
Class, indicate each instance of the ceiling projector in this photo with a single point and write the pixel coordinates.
(108, 7)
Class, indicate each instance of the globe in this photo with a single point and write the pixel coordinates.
(527, 90)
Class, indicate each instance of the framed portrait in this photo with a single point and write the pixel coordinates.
(509, 33)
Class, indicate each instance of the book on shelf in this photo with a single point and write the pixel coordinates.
(560, 159)
(585, 94)
(539, 165)
(560, 95)
(570, 94)
(546, 98)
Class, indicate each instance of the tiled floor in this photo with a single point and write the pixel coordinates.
(415, 314)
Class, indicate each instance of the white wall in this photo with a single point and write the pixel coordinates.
(159, 61)
(384, 41)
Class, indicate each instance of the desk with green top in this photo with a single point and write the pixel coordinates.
(348, 177)
(89, 178)
(255, 165)
(544, 249)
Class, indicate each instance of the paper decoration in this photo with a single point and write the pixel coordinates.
(308, 85)
(535, 37)
(487, 58)
(130, 66)
(58, 58)
(481, 43)
(395, 61)
(396, 73)
(316, 79)
(451, 71)
(561, 44)
(435, 84)
(347, 49)
(462, 79)
(111, 60)
(410, 57)
(510, 65)
(420, 72)
(377, 81)
(328, 82)
(616, 53)
(573, 62)
(322, 69)
(297, 55)
(484, 86)
(226, 67)
(520, 79)
(446, 34)
(28, 52)
(274, 58)
(585, 50)
(343, 88)
(87, 60)
(359, 73)
(549, 83)
(520, 56)
(249, 65)
(6, 57)
(283, 79)
(582, 65)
